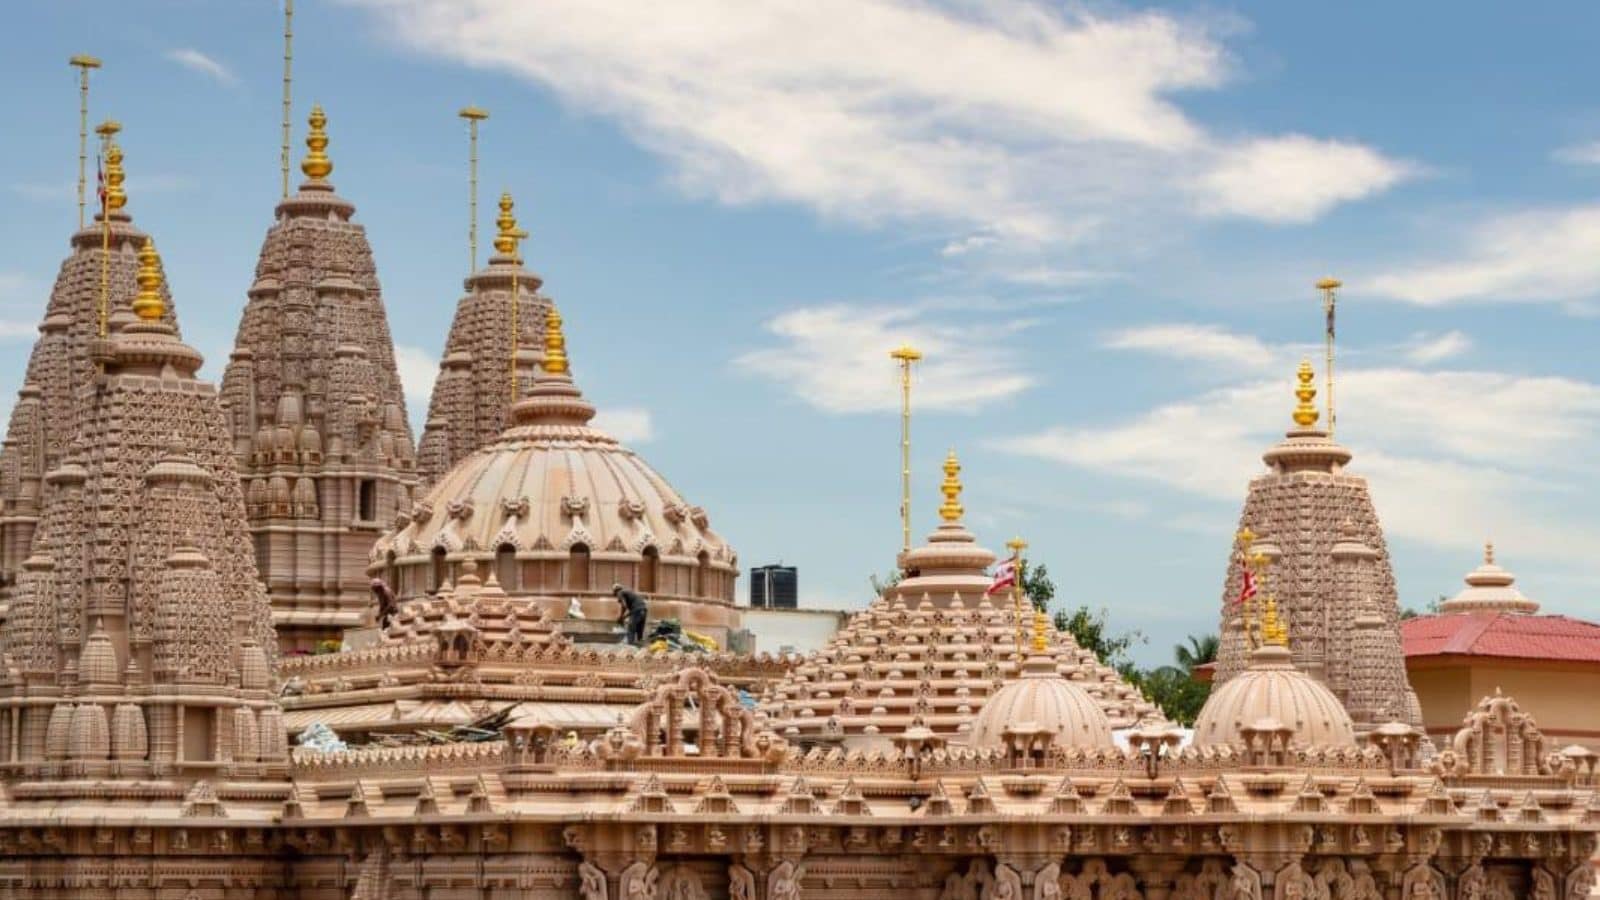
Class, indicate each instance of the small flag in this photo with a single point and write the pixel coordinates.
(1329, 305)
(1005, 575)
(1247, 587)
(100, 183)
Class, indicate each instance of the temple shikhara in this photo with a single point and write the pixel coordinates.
(257, 644)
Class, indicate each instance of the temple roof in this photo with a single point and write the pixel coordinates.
(1502, 634)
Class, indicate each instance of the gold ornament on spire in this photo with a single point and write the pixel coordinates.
(508, 237)
(116, 198)
(317, 165)
(1040, 622)
(1273, 631)
(555, 344)
(147, 304)
(951, 509)
(1305, 413)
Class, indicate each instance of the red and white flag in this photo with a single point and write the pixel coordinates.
(1005, 575)
(100, 183)
(1247, 582)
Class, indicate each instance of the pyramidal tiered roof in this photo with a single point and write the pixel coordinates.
(316, 410)
(932, 650)
(477, 380)
(141, 644)
(62, 364)
(1328, 568)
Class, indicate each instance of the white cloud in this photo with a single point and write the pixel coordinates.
(836, 358)
(1201, 343)
(630, 425)
(1451, 455)
(418, 368)
(16, 329)
(1543, 255)
(196, 61)
(1586, 154)
(1426, 349)
(1295, 178)
(1014, 120)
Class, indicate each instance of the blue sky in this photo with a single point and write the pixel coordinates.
(1102, 222)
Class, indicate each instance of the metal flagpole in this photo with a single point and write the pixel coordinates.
(1328, 287)
(84, 64)
(905, 355)
(473, 115)
(1016, 546)
(288, 58)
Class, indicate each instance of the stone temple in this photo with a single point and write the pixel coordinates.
(944, 747)
(1328, 569)
(316, 410)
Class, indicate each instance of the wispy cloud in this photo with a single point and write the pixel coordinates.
(1015, 121)
(1200, 343)
(196, 61)
(1433, 444)
(628, 424)
(1535, 256)
(835, 357)
(1585, 154)
(418, 368)
(1427, 348)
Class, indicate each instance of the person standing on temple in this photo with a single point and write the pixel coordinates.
(633, 613)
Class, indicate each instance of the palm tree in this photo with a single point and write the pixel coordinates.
(1200, 649)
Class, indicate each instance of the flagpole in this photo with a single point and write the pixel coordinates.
(107, 131)
(1016, 545)
(905, 355)
(288, 59)
(473, 115)
(1328, 286)
(1247, 565)
(83, 63)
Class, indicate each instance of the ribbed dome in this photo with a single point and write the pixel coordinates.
(573, 509)
(1043, 701)
(1272, 689)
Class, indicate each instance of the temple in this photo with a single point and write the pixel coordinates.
(317, 411)
(172, 548)
(98, 277)
(491, 354)
(1317, 533)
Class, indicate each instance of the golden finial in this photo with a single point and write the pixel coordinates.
(1245, 537)
(1305, 413)
(951, 509)
(1040, 621)
(147, 304)
(1273, 631)
(317, 165)
(1488, 553)
(116, 199)
(555, 344)
(509, 235)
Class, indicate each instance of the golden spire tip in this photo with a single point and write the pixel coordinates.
(473, 112)
(951, 509)
(1305, 412)
(1329, 284)
(1040, 622)
(317, 166)
(509, 236)
(905, 353)
(147, 304)
(116, 197)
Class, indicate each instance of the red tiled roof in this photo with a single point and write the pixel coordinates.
(1502, 634)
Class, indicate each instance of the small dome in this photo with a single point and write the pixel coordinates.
(1489, 589)
(253, 671)
(1041, 702)
(97, 664)
(1272, 689)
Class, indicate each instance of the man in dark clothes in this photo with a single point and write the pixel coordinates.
(634, 611)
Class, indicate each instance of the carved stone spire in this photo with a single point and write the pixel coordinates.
(61, 364)
(490, 357)
(1329, 565)
(316, 409)
(142, 589)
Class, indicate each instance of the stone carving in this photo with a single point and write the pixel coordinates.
(1422, 882)
(783, 882)
(1245, 884)
(591, 882)
(1496, 738)
(741, 883)
(682, 883)
(638, 882)
(1007, 884)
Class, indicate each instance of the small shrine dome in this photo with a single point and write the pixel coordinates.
(1489, 589)
(1040, 704)
(1273, 691)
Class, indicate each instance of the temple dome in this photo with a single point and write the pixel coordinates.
(1489, 589)
(1273, 691)
(1041, 702)
(561, 509)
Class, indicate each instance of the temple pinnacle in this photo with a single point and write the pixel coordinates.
(951, 509)
(116, 198)
(317, 165)
(1040, 620)
(147, 304)
(1488, 553)
(1305, 413)
(508, 237)
(555, 344)
(1273, 631)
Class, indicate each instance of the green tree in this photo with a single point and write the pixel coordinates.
(1036, 585)
(1200, 649)
(1091, 632)
(882, 583)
